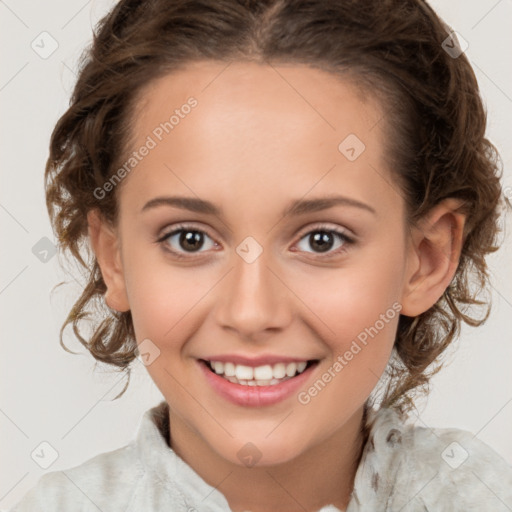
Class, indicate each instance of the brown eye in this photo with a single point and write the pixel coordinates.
(191, 240)
(323, 240)
(185, 239)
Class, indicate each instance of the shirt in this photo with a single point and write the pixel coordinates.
(403, 468)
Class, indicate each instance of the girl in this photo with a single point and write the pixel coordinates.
(286, 202)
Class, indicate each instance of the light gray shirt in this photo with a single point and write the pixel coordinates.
(403, 468)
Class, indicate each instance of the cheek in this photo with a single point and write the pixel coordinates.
(163, 296)
(356, 309)
(349, 300)
(165, 303)
(168, 302)
(359, 318)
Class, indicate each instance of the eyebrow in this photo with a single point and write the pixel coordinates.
(296, 207)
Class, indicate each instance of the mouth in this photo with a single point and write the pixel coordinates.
(257, 386)
(264, 375)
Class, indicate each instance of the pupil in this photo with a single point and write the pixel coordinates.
(323, 241)
(191, 240)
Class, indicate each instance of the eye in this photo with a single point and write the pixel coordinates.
(323, 239)
(185, 239)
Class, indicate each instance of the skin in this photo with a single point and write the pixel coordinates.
(259, 138)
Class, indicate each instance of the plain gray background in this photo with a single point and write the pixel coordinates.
(51, 396)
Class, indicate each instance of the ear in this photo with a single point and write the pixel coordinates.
(435, 245)
(106, 247)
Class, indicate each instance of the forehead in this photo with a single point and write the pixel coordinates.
(257, 128)
(290, 92)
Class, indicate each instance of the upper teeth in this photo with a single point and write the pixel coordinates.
(265, 372)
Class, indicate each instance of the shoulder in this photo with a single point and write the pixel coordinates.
(106, 482)
(421, 468)
(464, 471)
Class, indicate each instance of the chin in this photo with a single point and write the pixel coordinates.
(260, 452)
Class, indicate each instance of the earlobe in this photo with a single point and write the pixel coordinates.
(105, 244)
(434, 253)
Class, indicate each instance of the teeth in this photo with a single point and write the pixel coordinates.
(291, 368)
(279, 371)
(266, 375)
(243, 372)
(229, 369)
(263, 372)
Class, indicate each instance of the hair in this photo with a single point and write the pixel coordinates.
(393, 49)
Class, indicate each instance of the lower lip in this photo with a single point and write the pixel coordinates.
(255, 396)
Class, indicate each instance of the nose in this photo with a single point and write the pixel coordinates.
(254, 299)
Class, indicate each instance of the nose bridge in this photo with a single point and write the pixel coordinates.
(253, 299)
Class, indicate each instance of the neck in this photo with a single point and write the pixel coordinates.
(322, 475)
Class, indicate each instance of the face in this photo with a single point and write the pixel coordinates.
(253, 264)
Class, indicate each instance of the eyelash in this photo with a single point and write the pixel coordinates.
(341, 235)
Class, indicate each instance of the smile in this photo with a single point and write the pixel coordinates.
(256, 386)
(265, 375)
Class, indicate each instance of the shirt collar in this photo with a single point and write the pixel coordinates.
(166, 467)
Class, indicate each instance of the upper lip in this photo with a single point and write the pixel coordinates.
(255, 361)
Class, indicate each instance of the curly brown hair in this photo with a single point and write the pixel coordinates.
(394, 50)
